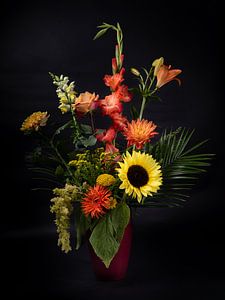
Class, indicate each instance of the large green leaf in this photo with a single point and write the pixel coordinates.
(103, 241)
(120, 219)
(82, 225)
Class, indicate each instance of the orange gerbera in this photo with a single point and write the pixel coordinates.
(96, 200)
(139, 132)
(165, 75)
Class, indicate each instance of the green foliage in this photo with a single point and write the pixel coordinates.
(120, 219)
(108, 233)
(82, 225)
(103, 241)
(119, 35)
(180, 167)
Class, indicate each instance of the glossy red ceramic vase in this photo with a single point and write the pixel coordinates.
(119, 265)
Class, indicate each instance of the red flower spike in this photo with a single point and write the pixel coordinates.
(123, 94)
(113, 81)
(107, 136)
(110, 148)
(119, 121)
(111, 104)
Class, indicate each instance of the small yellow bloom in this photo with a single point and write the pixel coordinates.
(73, 163)
(81, 162)
(64, 108)
(34, 121)
(105, 180)
(113, 203)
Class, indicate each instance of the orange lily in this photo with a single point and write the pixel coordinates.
(165, 75)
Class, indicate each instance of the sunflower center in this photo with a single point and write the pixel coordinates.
(137, 175)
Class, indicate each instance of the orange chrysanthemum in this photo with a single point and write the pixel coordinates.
(139, 132)
(34, 121)
(96, 200)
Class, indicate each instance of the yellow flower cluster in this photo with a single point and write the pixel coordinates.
(34, 121)
(63, 207)
(113, 203)
(105, 180)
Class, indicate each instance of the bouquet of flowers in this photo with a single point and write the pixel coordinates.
(99, 174)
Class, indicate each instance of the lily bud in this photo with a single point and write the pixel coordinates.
(157, 63)
(135, 72)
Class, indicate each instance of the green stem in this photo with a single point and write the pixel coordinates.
(50, 142)
(147, 77)
(61, 158)
(92, 122)
(74, 118)
(142, 107)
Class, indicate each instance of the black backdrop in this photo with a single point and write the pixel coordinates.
(177, 253)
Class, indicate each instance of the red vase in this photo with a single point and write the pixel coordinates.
(118, 267)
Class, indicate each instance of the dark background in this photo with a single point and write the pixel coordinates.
(177, 253)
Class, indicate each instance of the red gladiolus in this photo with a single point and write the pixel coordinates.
(110, 148)
(113, 81)
(123, 94)
(119, 121)
(111, 104)
(107, 136)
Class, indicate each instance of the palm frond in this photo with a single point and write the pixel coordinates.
(181, 167)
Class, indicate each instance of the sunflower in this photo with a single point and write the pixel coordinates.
(140, 174)
(96, 201)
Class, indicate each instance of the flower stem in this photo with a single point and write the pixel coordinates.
(54, 148)
(60, 158)
(142, 107)
(92, 122)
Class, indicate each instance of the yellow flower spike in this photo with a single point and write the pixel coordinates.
(105, 180)
(64, 108)
(63, 100)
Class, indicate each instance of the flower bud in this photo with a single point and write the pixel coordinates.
(135, 72)
(157, 63)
